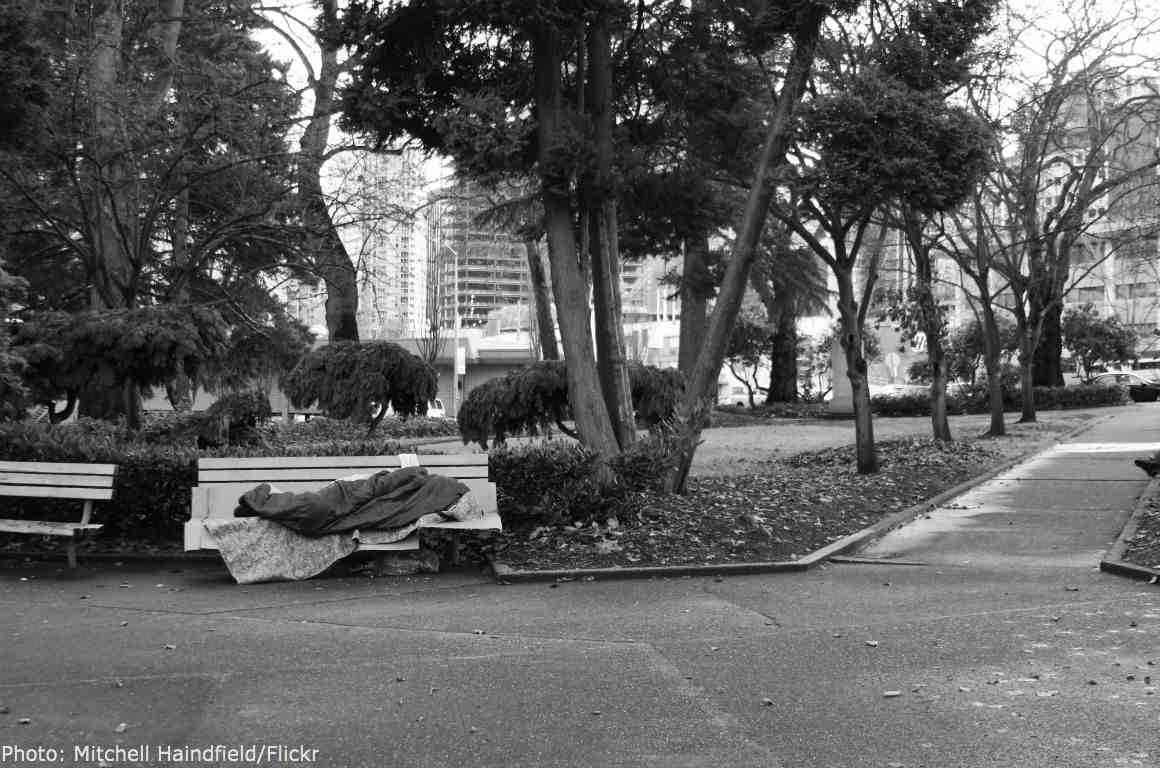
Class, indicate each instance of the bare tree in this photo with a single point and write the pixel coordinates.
(1078, 155)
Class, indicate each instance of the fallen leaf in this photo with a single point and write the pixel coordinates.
(891, 694)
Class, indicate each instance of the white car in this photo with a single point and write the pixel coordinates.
(435, 410)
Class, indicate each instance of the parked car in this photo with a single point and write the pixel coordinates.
(1140, 388)
(435, 409)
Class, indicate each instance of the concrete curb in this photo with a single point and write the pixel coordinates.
(507, 574)
(175, 558)
(1113, 561)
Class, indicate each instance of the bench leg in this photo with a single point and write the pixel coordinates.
(72, 552)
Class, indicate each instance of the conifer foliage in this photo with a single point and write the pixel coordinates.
(360, 380)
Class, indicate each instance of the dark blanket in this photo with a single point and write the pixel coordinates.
(384, 500)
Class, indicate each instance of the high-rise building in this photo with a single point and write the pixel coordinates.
(386, 238)
(378, 208)
(474, 267)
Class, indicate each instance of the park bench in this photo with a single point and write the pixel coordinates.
(36, 479)
(220, 482)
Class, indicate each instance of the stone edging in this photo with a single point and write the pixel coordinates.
(507, 574)
(1113, 561)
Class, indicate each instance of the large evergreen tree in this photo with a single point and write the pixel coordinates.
(149, 164)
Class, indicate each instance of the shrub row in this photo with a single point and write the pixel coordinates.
(320, 428)
(976, 400)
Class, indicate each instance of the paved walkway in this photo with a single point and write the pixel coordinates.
(1004, 646)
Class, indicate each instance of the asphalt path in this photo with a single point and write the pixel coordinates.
(983, 635)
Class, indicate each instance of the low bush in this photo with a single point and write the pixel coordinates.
(322, 429)
(976, 399)
(555, 482)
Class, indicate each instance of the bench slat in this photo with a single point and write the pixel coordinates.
(489, 522)
(321, 474)
(453, 459)
(408, 544)
(287, 462)
(64, 468)
(27, 478)
(43, 528)
(57, 492)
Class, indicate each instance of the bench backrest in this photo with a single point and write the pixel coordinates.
(67, 480)
(221, 481)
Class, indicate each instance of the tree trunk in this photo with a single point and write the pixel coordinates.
(602, 241)
(701, 384)
(935, 329)
(991, 362)
(323, 245)
(111, 270)
(181, 389)
(1048, 367)
(783, 373)
(856, 369)
(1026, 377)
(695, 294)
(940, 426)
(540, 296)
(569, 278)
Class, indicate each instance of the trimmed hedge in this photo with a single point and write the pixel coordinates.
(554, 481)
(320, 429)
(976, 400)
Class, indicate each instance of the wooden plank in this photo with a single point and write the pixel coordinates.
(457, 471)
(287, 462)
(28, 478)
(489, 522)
(44, 528)
(453, 459)
(63, 467)
(322, 475)
(256, 476)
(191, 534)
(408, 544)
(49, 492)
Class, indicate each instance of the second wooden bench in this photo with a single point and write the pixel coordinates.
(69, 480)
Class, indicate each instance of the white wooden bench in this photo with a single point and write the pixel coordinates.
(36, 479)
(221, 481)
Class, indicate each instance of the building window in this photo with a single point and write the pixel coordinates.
(1136, 290)
(1090, 294)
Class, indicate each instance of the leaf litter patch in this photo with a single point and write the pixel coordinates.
(786, 509)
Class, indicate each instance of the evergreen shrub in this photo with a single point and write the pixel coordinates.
(554, 482)
(975, 399)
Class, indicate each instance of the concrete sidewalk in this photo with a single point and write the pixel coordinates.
(1061, 509)
(1005, 647)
